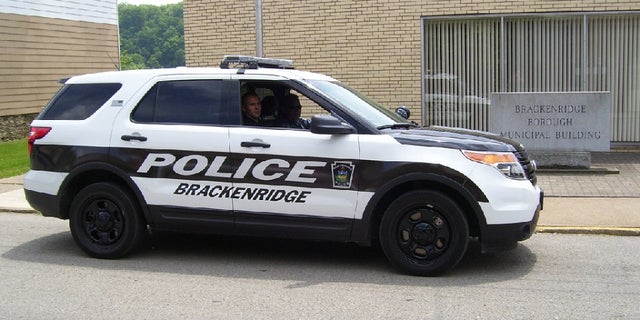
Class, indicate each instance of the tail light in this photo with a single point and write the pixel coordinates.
(36, 133)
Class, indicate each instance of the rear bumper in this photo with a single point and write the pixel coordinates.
(47, 204)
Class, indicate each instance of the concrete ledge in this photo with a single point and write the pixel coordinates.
(561, 159)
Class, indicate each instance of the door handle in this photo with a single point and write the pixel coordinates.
(251, 144)
(127, 137)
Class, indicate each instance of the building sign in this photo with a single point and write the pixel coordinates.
(553, 121)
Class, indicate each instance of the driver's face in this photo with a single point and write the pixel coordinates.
(252, 107)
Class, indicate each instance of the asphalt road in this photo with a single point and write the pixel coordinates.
(43, 275)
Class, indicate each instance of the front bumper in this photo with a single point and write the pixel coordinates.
(500, 237)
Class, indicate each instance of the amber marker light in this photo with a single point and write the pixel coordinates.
(505, 162)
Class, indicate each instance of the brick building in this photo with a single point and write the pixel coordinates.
(421, 53)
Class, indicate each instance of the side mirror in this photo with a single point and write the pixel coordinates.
(328, 124)
(403, 112)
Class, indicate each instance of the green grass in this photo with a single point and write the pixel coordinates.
(14, 158)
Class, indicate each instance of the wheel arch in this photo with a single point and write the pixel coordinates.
(89, 173)
(465, 193)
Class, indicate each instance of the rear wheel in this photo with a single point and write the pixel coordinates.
(105, 222)
(424, 233)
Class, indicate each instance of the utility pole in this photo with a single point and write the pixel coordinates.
(259, 48)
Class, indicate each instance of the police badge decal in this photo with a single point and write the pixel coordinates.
(342, 174)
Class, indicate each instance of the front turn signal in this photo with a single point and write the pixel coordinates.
(505, 162)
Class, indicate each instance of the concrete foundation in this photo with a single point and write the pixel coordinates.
(561, 159)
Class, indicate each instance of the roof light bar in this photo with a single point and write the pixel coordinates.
(249, 62)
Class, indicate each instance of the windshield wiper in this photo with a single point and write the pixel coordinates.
(398, 126)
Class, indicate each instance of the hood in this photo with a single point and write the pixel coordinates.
(456, 138)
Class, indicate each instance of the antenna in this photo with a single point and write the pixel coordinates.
(114, 64)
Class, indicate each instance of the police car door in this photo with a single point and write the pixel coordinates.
(293, 181)
(169, 141)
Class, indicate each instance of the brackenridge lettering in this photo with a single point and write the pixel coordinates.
(242, 193)
(549, 108)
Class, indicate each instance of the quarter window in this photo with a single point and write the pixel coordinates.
(79, 101)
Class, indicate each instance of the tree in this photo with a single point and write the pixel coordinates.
(131, 61)
(151, 36)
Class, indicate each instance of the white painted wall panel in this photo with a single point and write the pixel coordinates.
(97, 11)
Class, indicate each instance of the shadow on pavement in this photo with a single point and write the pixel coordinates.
(303, 262)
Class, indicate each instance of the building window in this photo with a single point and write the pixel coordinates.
(466, 59)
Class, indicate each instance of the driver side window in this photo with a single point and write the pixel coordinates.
(281, 106)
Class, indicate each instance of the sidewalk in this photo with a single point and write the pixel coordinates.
(594, 202)
(12, 196)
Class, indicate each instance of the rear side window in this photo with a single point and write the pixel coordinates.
(78, 101)
(183, 102)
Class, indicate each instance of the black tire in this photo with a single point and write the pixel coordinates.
(105, 221)
(424, 233)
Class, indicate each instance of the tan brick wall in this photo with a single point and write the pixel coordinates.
(36, 52)
(374, 46)
(216, 28)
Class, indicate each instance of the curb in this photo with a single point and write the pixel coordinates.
(611, 231)
(19, 210)
(591, 170)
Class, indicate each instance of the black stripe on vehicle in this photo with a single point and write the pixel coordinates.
(366, 175)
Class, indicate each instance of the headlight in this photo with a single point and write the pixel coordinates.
(505, 162)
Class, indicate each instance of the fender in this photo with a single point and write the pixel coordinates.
(109, 169)
(450, 180)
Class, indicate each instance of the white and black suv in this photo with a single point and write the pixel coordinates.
(123, 153)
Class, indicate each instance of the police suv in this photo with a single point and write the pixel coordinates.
(124, 153)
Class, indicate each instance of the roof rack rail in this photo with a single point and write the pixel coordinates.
(249, 62)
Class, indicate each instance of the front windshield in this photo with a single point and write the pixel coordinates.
(358, 103)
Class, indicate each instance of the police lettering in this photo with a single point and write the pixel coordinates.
(242, 193)
(265, 170)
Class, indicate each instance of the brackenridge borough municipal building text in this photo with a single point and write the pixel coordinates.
(571, 121)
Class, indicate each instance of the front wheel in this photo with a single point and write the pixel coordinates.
(105, 222)
(424, 232)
